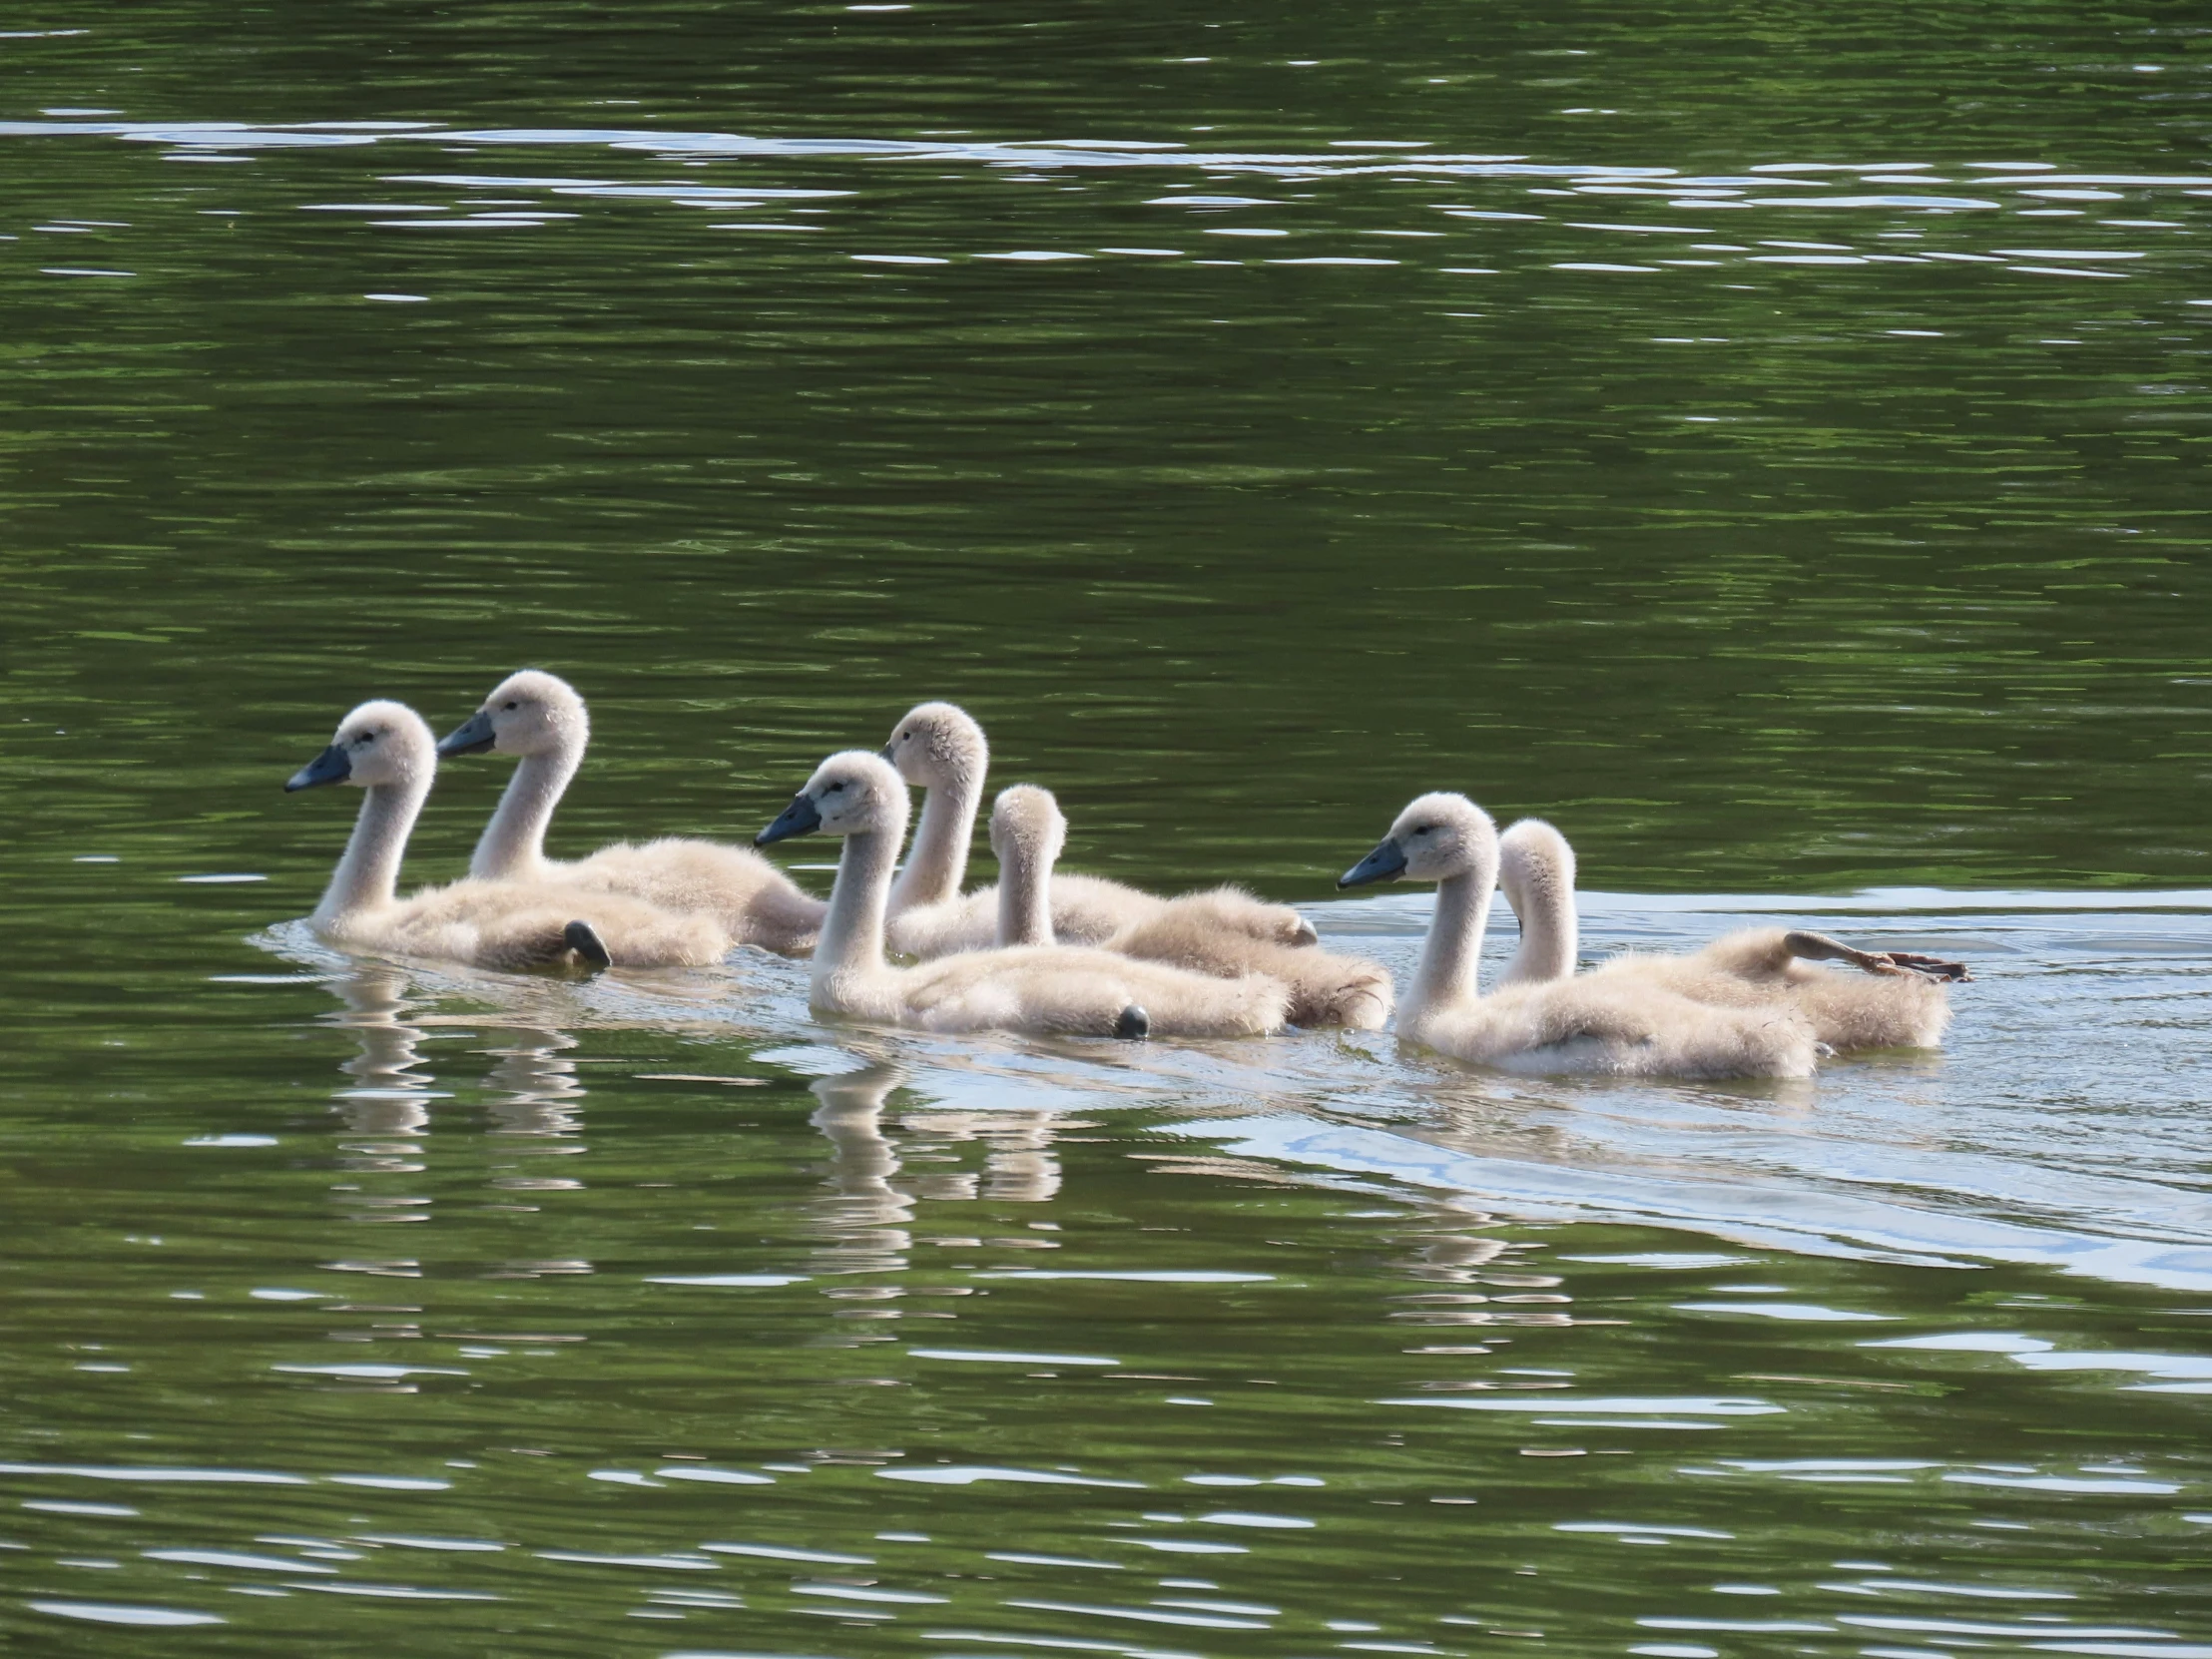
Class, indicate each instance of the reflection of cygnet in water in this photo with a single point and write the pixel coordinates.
(1019, 1165)
(543, 1091)
(1453, 1257)
(866, 1215)
(385, 1096)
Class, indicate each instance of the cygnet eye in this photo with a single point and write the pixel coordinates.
(509, 708)
(1423, 830)
(832, 789)
(366, 736)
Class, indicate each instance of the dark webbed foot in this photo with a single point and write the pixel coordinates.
(584, 940)
(1820, 947)
(1134, 1026)
(1932, 967)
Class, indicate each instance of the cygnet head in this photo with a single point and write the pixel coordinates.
(1535, 865)
(938, 746)
(1028, 828)
(850, 794)
(1438, 837)
(531, 713)
(379, 743)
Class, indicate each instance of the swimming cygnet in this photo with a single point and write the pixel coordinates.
(387, 749)
(938, 746)
(1897, 1000)
(539, 718)
(1041, 989)
(1028, 831)
(1561, 1026)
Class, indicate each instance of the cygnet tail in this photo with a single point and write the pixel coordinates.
(1333, 992)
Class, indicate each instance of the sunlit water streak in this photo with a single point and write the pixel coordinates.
(1997, 187)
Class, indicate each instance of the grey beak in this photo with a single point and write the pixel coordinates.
(1387, 861)
(473, 736)
(889, 751)
(801, 817)
(331, 767)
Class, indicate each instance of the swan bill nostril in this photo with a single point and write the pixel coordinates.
(332, 766)
(1134, 1026)
(584, 940)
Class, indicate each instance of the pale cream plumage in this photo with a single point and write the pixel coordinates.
(1561, 1026)
(939, 747)
(1897, 1000)
(539, 718)
(387, 749)
(1028, 831)
(1045, 990)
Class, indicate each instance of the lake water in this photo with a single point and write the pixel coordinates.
(1769, 444)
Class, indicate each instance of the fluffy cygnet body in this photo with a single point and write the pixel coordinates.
(1042, 988)
(387, 749)
(539, 718)
(1561, 1026)
(1897, 1000)
(1028, 831)
(939, 747)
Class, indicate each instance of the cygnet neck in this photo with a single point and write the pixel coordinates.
(937, 862)
(1024, 896)
(853, 931)
(512, 846)
(1452, 952)
(1541, 893)
(862, 1160)
(367, 876)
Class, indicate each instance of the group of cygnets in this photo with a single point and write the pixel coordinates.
(1076, 955)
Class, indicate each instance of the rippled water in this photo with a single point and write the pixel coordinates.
(1769, 443)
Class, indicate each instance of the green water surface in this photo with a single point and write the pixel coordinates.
(1769, 441)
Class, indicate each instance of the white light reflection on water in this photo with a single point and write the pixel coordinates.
(1806, 188)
